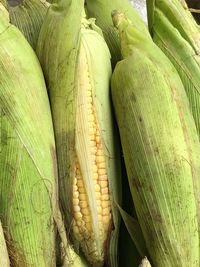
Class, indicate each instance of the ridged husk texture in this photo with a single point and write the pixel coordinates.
(27, 159)
(161, 148)
(64, 31)
(175, 31)
(28, 17)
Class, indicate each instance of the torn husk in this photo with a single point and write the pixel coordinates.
(87, 144)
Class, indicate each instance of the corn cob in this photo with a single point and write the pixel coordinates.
(178, 36)
(28, 17)
(27, 158)
(88, 156)
(4, 259)
(101, 10)
(161, 148)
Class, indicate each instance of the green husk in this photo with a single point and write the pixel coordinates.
(175, 31)
(28, 174)
(64, 32)
(4, 259)
(101, 10)
(28, 16)
(161, 148)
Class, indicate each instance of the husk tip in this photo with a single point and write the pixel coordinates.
(117, 17)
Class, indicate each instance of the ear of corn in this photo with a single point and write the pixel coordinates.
(101, 10)
(28, 17)
(161, 148)
(88, 154)
(27, 158)
(178, 36)
(4, 259)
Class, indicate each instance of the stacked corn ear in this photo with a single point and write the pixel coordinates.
(4, 259)
(77, 68)
(28, 16)
(175, 31)
(27, 158)
(161, 148)
(145, 263)
(101, 10)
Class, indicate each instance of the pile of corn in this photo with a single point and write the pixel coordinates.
(99, 136)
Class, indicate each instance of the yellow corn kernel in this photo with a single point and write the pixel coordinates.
(75, 201)
(105, 204)
(100, 152)
(104, 191)
(78, 215)
(102, 165)
(103, 178)
(85, 211)
(98, 139)
(83, 197)
(106, 219)
(105, 211)
(103, 184)
(97, 188)
(101, 172)
(75, 194)
(105, 197)
(76, 208)
(87, 218)
(100, 159)
(80, 183)
(83, 204)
